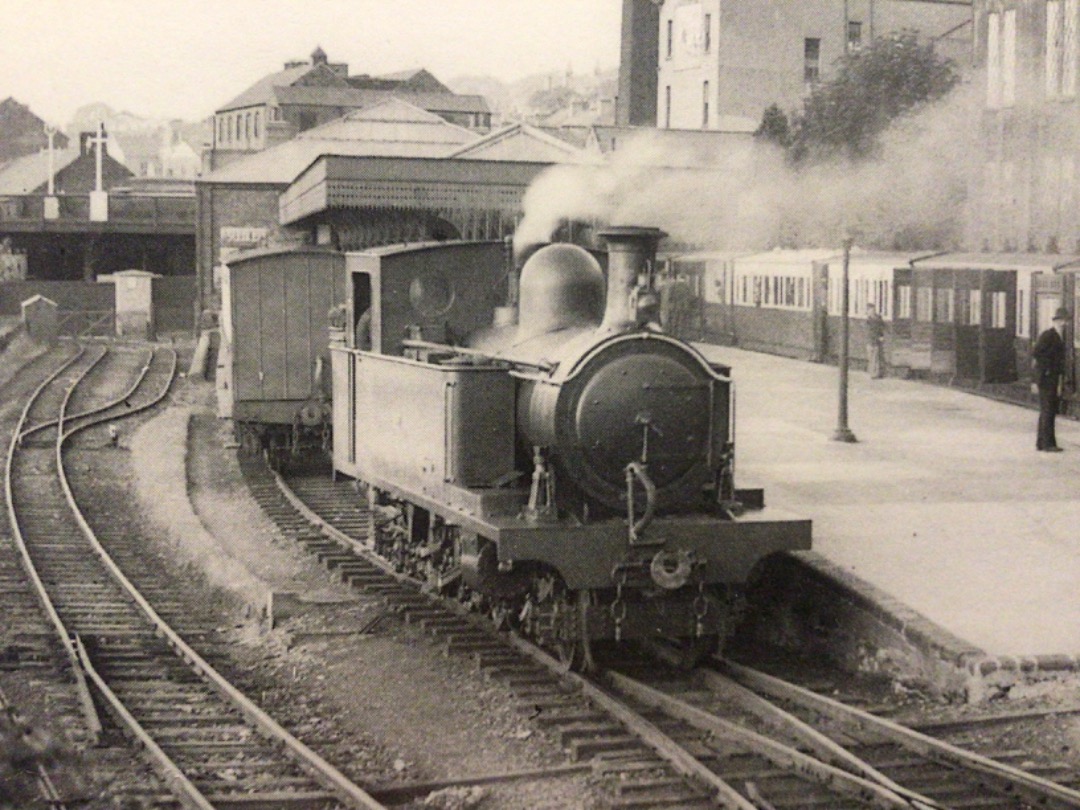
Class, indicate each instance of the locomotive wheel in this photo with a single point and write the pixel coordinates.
(571, 641)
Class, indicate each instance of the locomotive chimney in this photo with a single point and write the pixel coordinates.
(631, 252)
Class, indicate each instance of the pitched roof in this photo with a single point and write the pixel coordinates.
(334, 90)
(25, 174)
(446, 102)
(522, 142)
(392, 128)
(262, 91)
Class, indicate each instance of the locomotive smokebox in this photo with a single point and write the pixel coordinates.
(631, 253)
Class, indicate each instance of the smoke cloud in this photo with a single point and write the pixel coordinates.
(911, 197)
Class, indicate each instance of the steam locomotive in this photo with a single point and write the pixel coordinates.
(540, 448)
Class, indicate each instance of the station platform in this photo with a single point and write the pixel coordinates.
(942, 503)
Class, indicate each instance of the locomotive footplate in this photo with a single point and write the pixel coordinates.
(722, 551)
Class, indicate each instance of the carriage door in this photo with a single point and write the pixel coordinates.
(1071, 299)
(1047, 292)
(819, 315)
(901, 316)
(997, 326)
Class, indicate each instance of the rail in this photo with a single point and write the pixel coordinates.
(1039, 791)
(343, 786)
(86, 702)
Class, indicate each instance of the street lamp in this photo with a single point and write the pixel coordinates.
(843, 432)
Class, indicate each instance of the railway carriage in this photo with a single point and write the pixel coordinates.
(273, 362)
(563, 464)
(953, 316)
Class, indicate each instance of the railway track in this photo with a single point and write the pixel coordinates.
(210, 746)
(731, 738)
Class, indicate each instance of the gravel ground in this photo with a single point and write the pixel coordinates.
(411, 713)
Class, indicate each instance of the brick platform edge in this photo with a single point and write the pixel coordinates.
(803, 601)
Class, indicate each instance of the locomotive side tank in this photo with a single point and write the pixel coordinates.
(571, 473)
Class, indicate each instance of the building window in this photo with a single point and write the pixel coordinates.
(1008, 59)
(854, 35)
(255, 125)
(705, 105)
(811, 60)
(1061, 48)
(1001, 59)
(247, 126)
(667, 107)
(239, 123)
(221, 129)
(670, 36)
(708, 33)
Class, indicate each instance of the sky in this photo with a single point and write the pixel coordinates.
(185, 58)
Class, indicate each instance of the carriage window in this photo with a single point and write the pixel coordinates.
(998, 306)
(923, 297)
(974, 308)
(881, 296)
(903, 304)
(944, 306)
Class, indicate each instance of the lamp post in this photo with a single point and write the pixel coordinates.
(99, 198)
(51, 204)
(843, 432)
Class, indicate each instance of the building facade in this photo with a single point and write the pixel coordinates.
(721, 63)
(305, 95)
(1025, 198)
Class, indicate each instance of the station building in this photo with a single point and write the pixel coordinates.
(391, 172)
(307, 94)
(719, 65)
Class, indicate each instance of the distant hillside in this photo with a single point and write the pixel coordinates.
(537, 96)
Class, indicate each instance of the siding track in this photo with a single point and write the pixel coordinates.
(210, 745)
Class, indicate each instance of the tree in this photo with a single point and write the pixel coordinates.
(873, 86)
(775, 127)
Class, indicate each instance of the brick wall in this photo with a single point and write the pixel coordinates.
(223, 206)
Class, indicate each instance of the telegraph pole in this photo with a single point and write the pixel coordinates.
(843, 433)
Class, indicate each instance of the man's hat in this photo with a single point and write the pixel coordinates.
(1062, 314)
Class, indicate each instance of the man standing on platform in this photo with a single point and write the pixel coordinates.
(1049, 357)
(875, 343)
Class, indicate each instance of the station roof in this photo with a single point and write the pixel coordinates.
(437, 184)
(522, 142)
(392, 128)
